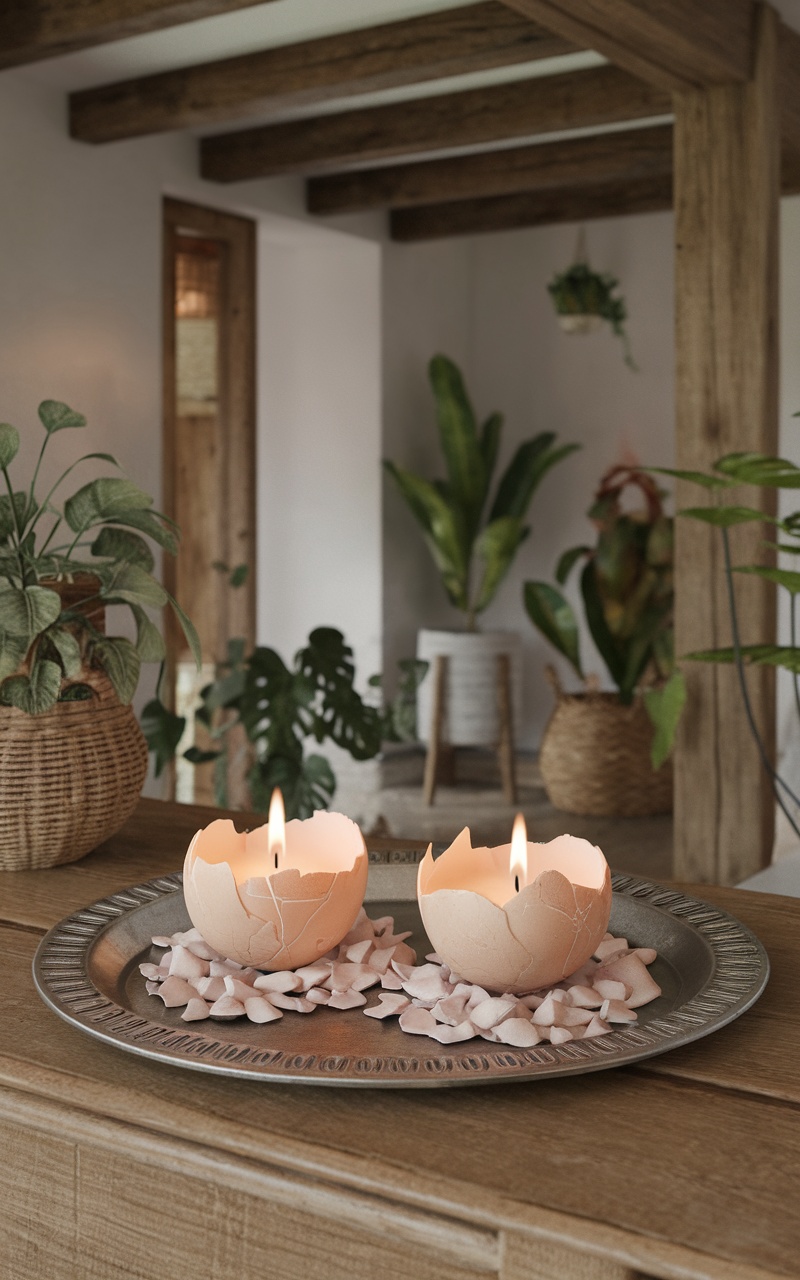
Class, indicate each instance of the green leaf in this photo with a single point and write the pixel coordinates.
(523, 475)
(444, 532)
(489, 445)
(108, 498)
(68, 650)
(726, 517)
(195, 756)
(664, 707)
(121, 663)
(149, 523)
(12, 653)
(497, 546)
(35, 694)
(189, 630)
(27, 611)
(760, 468)
(760, 655)
(695, 477)
(9, 443)
(459, 440)
(326, 662)
(56, 416)
(127, 583)
(567, 560)
(788, 578)
(8, 523)
(120, 544)
(162, 731)
(552, 614)
(239, 575)
(149, 640)
(601, 634)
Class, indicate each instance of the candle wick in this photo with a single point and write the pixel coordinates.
(276, 859)
(516, 883)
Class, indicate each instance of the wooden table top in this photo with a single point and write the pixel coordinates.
(693, 1155)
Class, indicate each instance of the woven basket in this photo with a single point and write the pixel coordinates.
(68, 778)
(595, 757)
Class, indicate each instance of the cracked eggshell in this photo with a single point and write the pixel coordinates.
(289, 917)
(507, 941)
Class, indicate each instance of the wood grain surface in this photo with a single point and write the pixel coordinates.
(666, 1169)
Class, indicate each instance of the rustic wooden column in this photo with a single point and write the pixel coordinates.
(726, 228)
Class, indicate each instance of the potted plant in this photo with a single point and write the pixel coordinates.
(605, 753)
(260, 714)
(585, 300)
(72, 759)
(473, 537)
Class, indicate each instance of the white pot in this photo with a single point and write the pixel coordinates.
(580, 323)
(471, 717)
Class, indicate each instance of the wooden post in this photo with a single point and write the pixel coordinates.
(505, 746)
(726, 229)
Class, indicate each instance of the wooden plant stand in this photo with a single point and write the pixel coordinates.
(439, 759)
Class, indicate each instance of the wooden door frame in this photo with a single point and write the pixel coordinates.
(237, 398)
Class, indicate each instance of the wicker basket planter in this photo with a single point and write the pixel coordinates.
(68, 778)
(595, 758)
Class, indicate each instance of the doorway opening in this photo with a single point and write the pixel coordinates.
(209, 461)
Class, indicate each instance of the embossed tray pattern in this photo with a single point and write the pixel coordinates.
(711, 969)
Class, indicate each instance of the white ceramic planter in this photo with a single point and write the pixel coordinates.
(581, 322)
(471, 716)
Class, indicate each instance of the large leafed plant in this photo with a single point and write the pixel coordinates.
(99, 539)
(627, 591)
(472, 536)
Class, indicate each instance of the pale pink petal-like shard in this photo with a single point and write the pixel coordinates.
(451, 1010)
(531, 1001)
(380, 960)
(161, 941)
(200, 948)
(519, 1032)
(175, 992)
(238, 989)
(151, 987)
(418, 1022)
(391, 939)
(361, 930)
(610, 989)
(559, 995)
(317, 996)
(381, 923)
(492, 1011)
(646, 954)
(597, 1027)
(311, 975)
(283, 980)
(475, 994)
(391, 981)
(403, 953)
(183, 964)
(346, 1000)
(297, 1004)
(390, 1004)
(152, 971)
(210, 988)
(585, 997)
(259, 1009)
(452, 1035)
(426, 983)
(610, 947)
(560, 1035)
(358, 951)
(403, 970)
(550, 1013)
(617, 1011)
(195, 1011)
(640, 984)
(226, 1007)
(577, 1017)
(219, 968)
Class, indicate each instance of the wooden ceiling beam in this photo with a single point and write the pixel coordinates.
(452, 42)
(532, 209)
(35, 29)
(600, 158)
(599, 96)
(674, 44)
(643, 193)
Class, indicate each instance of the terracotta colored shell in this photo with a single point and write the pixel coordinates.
(515, 941)
(276, 919)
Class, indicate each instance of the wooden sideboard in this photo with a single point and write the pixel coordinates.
(683, 1167)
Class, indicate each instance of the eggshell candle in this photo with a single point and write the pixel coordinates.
(276, 907)
(515, 928)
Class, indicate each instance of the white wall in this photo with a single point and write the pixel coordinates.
(80, 321)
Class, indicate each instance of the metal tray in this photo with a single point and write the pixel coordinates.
(710, 967)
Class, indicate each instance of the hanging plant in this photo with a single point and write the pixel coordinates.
(585, 299)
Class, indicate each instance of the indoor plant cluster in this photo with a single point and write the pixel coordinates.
(584, 299)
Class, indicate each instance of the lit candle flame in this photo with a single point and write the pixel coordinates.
(519, 853)
(276, 827)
